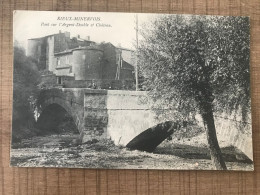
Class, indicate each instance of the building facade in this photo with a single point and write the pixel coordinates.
(77, 60)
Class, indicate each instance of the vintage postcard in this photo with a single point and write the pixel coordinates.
(131, 91)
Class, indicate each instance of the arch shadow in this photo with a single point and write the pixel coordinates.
(149, 139)
(56, 119)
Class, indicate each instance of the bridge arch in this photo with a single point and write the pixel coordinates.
(58, 101)
(55, 118)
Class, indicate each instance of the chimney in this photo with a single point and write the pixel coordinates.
(78, 36)
(59, 31)
(67, 34)
(88, 38)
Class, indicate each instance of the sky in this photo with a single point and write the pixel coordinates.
(34, 24)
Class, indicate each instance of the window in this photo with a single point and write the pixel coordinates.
(58, 61)
(59, 80)
(67, 60)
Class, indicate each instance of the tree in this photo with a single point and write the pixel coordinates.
(26, 78)
(197, 64)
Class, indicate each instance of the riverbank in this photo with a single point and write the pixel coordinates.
(65, 151)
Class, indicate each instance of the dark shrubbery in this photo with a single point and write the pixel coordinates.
(25, 80)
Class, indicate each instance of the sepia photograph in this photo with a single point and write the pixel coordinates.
(131, 91)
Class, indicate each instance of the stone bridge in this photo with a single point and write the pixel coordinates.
(113, 114)
(123, 115)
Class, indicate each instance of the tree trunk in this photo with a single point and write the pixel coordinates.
(215, 152)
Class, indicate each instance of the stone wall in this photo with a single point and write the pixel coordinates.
(60, 42)
(231, 131)
(127, 71)
(49, 79)
(64, 59)
(51, 63)
(86, 63)
(95, 115)
(129, 115)
(109, 61)
(116, 115)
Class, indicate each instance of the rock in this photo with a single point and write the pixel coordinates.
(76, 142)
(93, 141)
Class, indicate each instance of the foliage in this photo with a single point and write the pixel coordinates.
(181, 56)
(25, 80)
